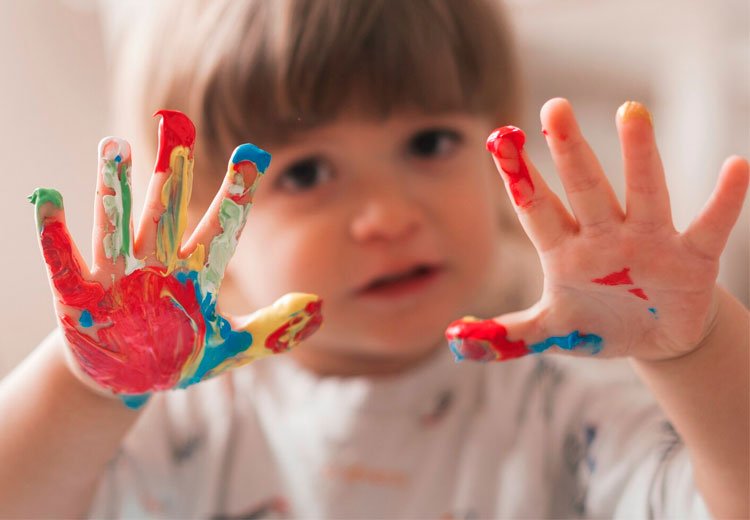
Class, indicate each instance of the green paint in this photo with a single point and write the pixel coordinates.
(117, 207)
(42, 196)
(232, 217)
(125, 248)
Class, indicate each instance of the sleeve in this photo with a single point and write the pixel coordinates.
(619, 456)
(169, 465)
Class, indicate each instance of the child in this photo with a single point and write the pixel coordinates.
(380, 200)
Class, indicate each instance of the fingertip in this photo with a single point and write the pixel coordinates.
(114, 149)
(48, 203)
(633, 111)
(558, 120)
(735, 173)
(249, 152)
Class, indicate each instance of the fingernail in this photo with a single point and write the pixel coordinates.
(633, 110)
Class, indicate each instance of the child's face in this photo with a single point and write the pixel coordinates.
(391, 222)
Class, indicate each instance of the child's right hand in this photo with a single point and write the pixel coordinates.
(135, 324)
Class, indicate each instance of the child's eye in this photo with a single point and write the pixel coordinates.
(304, 175)
(433, 142)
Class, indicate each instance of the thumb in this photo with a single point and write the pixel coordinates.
(512, 336)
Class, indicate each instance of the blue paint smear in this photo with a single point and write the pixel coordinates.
(86, 320)
(250, 152)
(653, 311)
(569, 342)
(213, 354)
(118, 158)
(135, 401)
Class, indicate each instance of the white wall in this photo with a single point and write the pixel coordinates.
(688, 60)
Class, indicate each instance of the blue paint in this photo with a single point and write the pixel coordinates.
(250, 152)
(569, 342)
(134, 401)
(118, 158)
(233, 343)
(86, 320)
(653, 311)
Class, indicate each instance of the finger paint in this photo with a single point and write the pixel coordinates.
(114, 167)
(487, 340)
(42, 196)
(506, 144)
(617, 278)
(621, 278)
(175, 131)
(234, 211)
(65, 271)
(639, 293)
(175, 197)
(156, 327)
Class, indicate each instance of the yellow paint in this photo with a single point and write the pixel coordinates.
(265, 322)
(175, 197)
(633, 110)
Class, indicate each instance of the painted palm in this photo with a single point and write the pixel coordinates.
(148, 322)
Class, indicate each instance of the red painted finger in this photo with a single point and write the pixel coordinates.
(68, 274)
(164, 217)
(540, 211)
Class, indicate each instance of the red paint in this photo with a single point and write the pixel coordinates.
(175, 129)
(639, 293)
(65, 271)
(313, 310)
(145, 311)
(249, 173)
(474, 333)
(618, 278)
(544, 132)
(506, 144)
(135, 317)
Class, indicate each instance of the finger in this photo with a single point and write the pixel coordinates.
(68, 274)
(164, 217)
(515, 335)
(272, 330)
(647, 199)
(591, 197)
(218, 231)
(113, 224)
(542, 215)
(708, 233)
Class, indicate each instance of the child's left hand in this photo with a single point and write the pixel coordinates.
(623, 283)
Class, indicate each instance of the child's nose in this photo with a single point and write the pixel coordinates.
(386, 215)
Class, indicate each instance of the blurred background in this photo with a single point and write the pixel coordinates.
(687, 60)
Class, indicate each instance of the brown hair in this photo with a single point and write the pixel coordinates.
(259, 70)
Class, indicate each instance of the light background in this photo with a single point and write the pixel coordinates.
(689, 61)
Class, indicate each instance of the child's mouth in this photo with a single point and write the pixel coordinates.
(402, 283)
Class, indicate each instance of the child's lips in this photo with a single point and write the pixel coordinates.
(402, 282)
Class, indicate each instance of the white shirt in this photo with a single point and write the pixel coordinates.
(536, 437)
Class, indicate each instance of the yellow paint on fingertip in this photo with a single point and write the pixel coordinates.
(633, 110)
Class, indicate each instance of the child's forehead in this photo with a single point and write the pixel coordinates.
(394, 123)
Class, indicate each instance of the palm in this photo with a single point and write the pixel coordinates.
(616, 282)
(145, 322)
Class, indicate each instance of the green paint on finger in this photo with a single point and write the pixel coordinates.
(42, 196)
